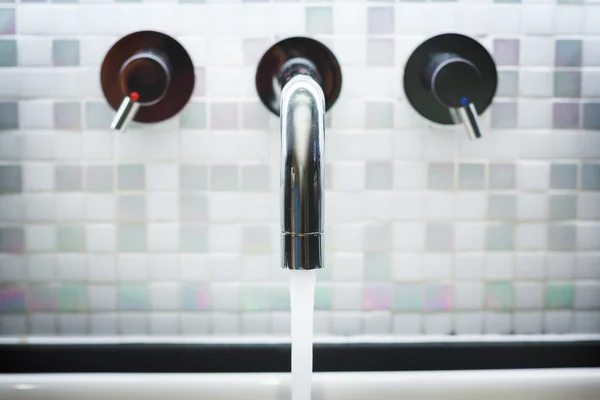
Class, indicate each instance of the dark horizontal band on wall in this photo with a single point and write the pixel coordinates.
(237, 358)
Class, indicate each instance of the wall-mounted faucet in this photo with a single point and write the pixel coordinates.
(451, 79)
(147, 77)
(299, 79)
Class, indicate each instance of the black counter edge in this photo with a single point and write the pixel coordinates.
(238, 358)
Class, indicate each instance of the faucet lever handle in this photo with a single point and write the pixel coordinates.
(469, 117)
(126, 112)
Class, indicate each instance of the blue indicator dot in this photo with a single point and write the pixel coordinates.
(464, 101)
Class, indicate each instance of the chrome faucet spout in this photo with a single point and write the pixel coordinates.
(302, 115)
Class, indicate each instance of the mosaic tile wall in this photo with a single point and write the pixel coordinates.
(173, 228)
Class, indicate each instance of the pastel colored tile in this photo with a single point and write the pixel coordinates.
(506, 51)
(12, 240)
(42, 298)
(567, 84)
(441, 176)
(195, 297)
(438, 297)
(508, 84)
(565, 116)
(12, 299)
(193, 207)
(9, 112)
(379, 115)
(500, 237)
(377, 297)
(70, 238)
(319, 20)
(193, 238)
(408, 297)
(502, 176)
(561, 237)
(280, 298)
(379, 175)
(563, 207)
(132, 208)
(193, 177)
(8, 53)
(256, 177)
(100, 178)
(471, 176)
(68, 178)
(224, 115)
(380, 52)
(322, 297)
(71, 298)
(67, 115)
(559, 295)
(131, 177)
(377, 266)
(380, 20)
(504, 115)
(65, 52)
(132, 238)
(499, 295)
(591, 116)
(254, 115)
(10, 179)
(193, 116)
(224, 177)
(502, 206)
(255, 298)
(563, 176)
(7, 21)
(98, 115)
(590, 177)
(568, 53)
(439, 237)
(134, 297)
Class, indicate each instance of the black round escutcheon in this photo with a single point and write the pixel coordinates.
(310, 57)
(449, 71)
(153, 65)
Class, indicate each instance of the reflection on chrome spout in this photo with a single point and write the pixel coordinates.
(302, 160)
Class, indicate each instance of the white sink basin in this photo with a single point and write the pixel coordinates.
(550, 384)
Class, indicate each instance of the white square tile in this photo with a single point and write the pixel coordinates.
(225, 323)
(470, 206)
(497, 323)
(587, 322)
(587, 295)
(531, 236)
(349, 19)
(469, 236)
(468, 296)
(72, 324)
(249, 207)
(437, 266)
(223, 82)
(41, 267)
(528, 322)
(72, 267)
(70, 207)
(36, 114)
(13, 325)
(101, 238)
(34, 51)
(11, 208)
(164, 323)
(224, 207)
(12, 268)
(439, 205)
(42, 324)
(222, 52)
(588, 266)
(163, 267)
(195, 323)
(588, 206)
(533, 176)
(322, 323)
(255, 267)
(532, 206)
(100, 207)
(350, 51)
(568, 19)
(164, 296)
(407, 324)
(132, 267)
(98, 145)
(345, 237)
(347, 297)
(409, 175)
(537, 51)
(468, 323)
(499, 266)
(475, 18)
(257, 323)
(68, 146)
(163, 237)
(528, 295)
(133, 323)
(559, 321)
(408, 236)
(347, 266)
(225, 297)
(587, 236)
(102, 268)
(469, 266)
(348, 176)
(591, 21)
(103, 324)
(561, 265)
(408, 206)
(40, 238)
(38, 177)
(194, 268)
(380, 206)
(102, 297)
(530, 265)
(40, 207)
(225, 267)
(225, 238)
(163, 207)
(377, 323)
(346, 208)
(346, 323)
(437, 324)
(537, 19)
(440, 143)
(406, 266)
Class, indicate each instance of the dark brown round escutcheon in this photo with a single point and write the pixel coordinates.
(272, 69)
(153, 65)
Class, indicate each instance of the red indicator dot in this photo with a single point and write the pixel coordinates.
(135, 96)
